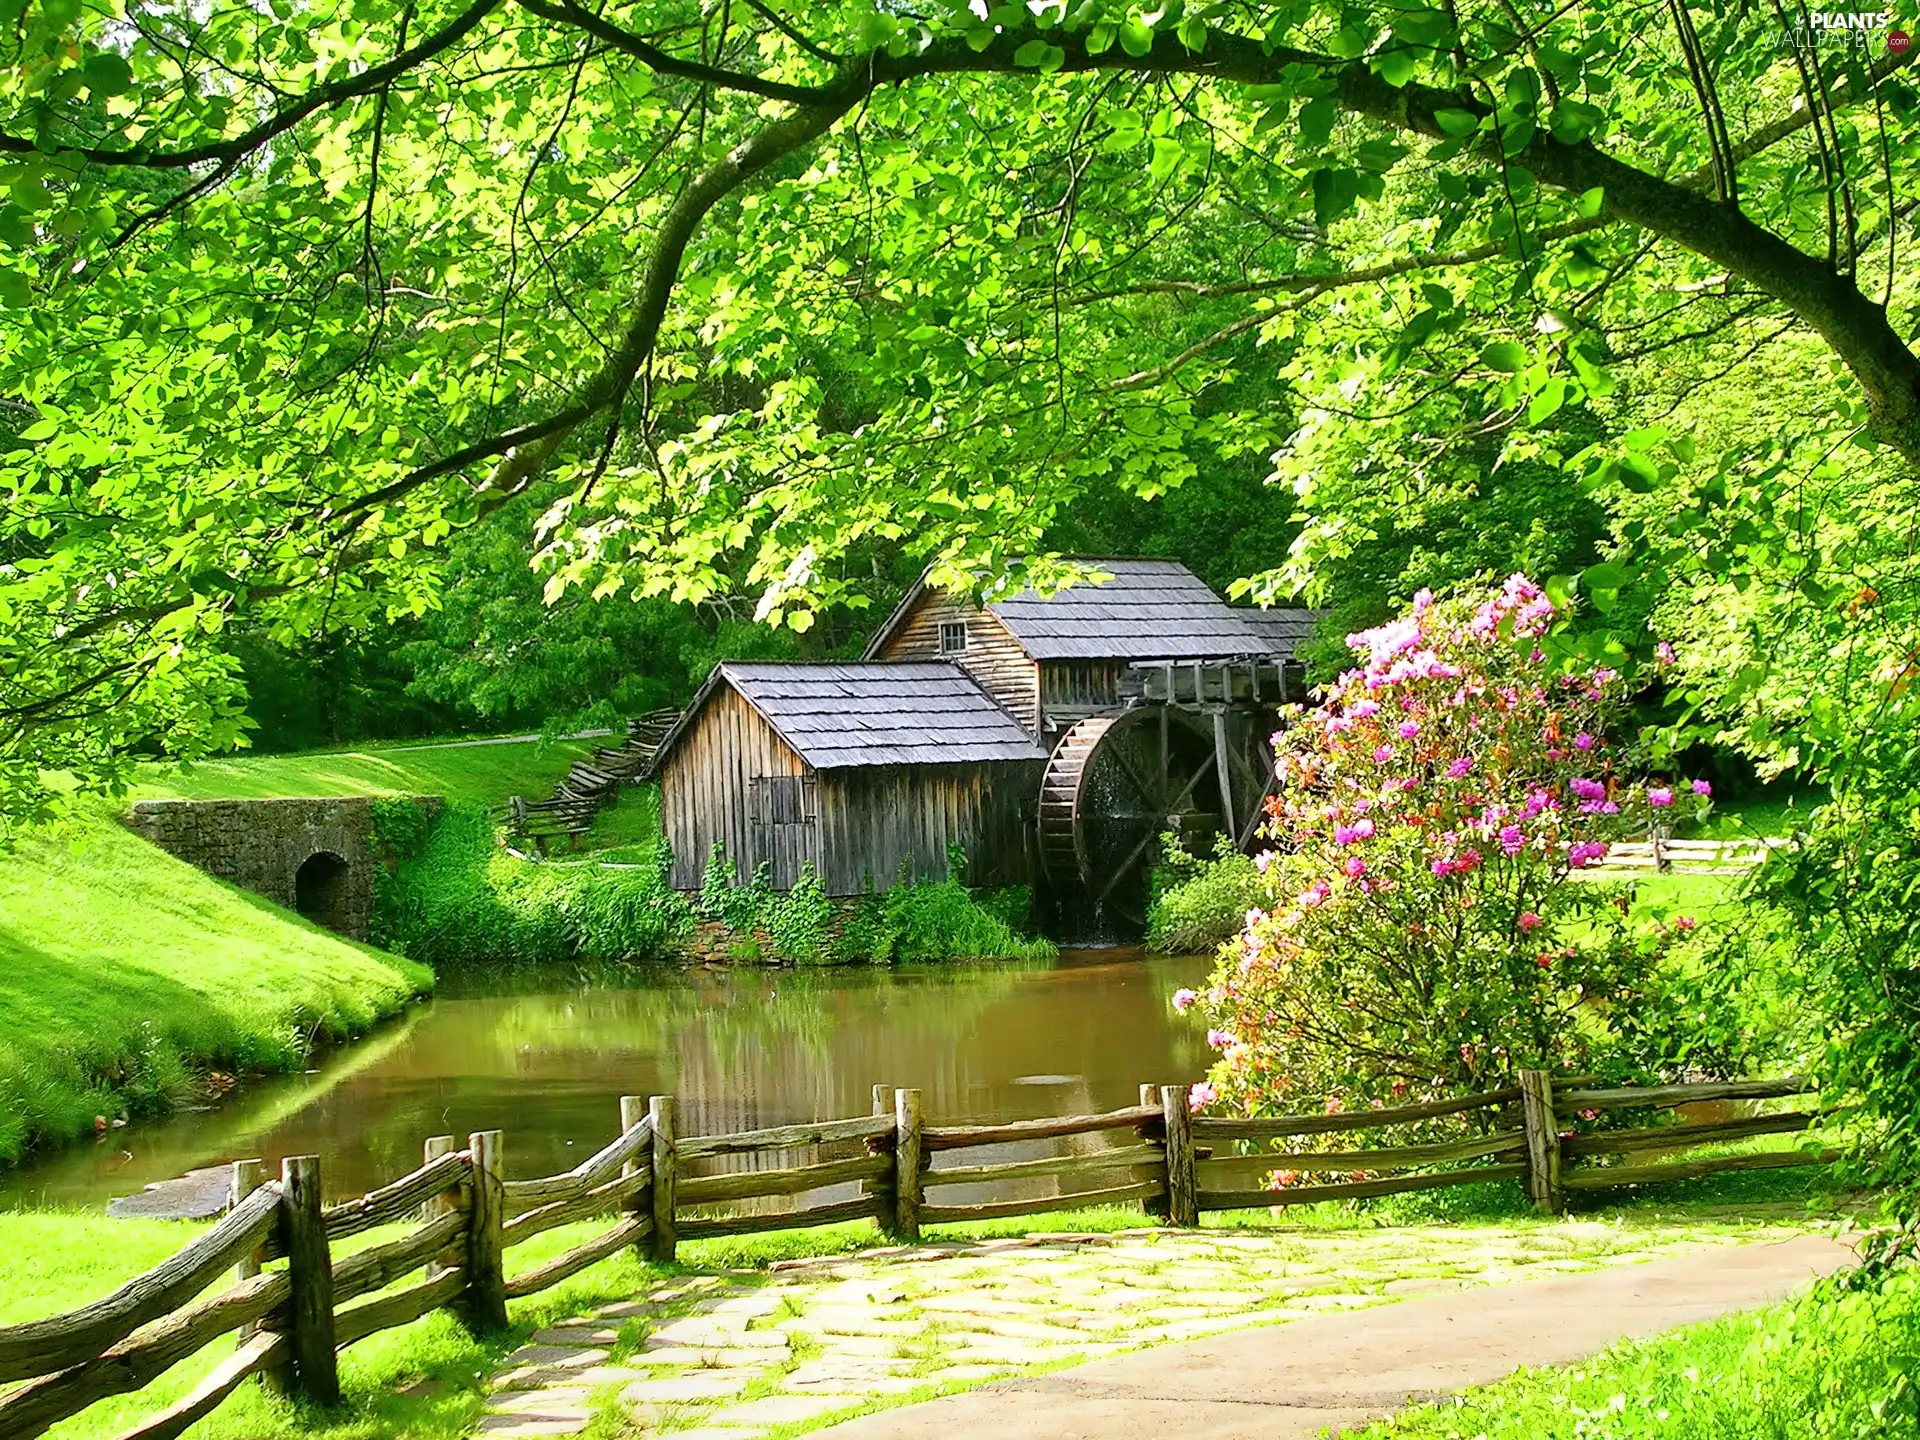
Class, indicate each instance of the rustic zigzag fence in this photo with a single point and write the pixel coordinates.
(293, 1319)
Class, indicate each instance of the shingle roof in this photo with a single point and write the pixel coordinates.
(1149, 610)
(1285, 630)
(880, 714)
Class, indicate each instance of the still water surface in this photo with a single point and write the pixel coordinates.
(545, 1060)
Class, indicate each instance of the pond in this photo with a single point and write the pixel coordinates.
(545, 1057)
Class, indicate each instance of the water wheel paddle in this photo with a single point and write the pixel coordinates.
(1112, 785)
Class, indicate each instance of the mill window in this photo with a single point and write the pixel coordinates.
(953, 637)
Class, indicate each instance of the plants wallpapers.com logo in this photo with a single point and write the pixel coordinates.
(1869, 31)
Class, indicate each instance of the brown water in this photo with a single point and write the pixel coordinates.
(547, 1061)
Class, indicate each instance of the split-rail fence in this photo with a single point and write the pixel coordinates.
(465, 1215)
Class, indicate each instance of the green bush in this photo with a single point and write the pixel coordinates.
(456, 898)
(1198, 904)
(912, 920)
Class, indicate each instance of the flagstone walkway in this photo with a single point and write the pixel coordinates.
(746, 1355)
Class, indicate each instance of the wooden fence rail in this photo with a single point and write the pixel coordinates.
(462, 1216)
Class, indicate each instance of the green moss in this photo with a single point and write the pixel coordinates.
(125, 974)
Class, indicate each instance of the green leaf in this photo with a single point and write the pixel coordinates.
(1031, 54)
(108, 73)
(1135, 38)
(1457, 123)
(1505, 356)
(1166, 157)
(1396, 67)
(1316, 121)
(1590, 203)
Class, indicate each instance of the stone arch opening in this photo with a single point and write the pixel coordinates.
(320, 891)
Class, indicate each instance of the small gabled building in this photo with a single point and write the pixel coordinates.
(1084, 650)
(1054, 740)
(859, 770)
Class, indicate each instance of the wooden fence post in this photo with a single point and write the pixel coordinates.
(486, 1297)
(1183, 1200)
(907, 1189)
(881, 1188)
(633, 1110)
(242, 1182)
(665, 1157)
(434, 1149)
(1543, 1142)
(310, 1276)
(1154, 1206)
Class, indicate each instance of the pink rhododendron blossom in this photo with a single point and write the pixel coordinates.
(1201, 1095)
(1431, 811)
(1683, 924)
(1663, 652)
(1183, 1000)
(1701, 787)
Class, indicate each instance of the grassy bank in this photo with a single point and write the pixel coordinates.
(484, 773)
(125, 975)
(1836, 1363)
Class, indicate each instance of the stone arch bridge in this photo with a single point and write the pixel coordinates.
(315, 856)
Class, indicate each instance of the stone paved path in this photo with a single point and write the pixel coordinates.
(735, 1355)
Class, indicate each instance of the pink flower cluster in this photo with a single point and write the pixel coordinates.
(1520, 601)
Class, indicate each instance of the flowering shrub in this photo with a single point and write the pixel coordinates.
(1427, 928)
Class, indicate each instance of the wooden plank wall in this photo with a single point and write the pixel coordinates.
(706, 787)
(993, 656)
(874, 817)
(1071, 690)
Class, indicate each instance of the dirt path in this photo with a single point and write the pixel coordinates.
(1289, 1382)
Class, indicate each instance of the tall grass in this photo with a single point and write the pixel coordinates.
(456, 898)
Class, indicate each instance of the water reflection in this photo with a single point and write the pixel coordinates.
(741, 1049)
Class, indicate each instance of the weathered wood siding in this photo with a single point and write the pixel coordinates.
(1071, 690)
(707, 794)
(872, 819)
(993, 657)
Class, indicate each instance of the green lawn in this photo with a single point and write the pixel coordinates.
(125, 973)
(484, 773)
(1832, 1364)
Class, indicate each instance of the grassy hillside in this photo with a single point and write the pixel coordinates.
(125, 974)
(486, 772)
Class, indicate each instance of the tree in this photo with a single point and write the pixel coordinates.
(295, 294)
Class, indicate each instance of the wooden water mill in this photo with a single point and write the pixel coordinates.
(1188, 754)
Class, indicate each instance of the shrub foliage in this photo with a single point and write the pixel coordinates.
(1431, 925)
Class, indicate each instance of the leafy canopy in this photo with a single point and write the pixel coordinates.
(294, 292)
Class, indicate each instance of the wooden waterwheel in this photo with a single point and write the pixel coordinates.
(1113, 785)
